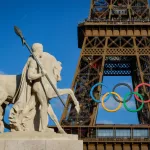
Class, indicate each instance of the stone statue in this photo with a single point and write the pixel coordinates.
(8, 87)
(31, 91)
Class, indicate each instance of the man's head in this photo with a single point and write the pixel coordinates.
(37, 49)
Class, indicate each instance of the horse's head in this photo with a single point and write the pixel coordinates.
(57, 70)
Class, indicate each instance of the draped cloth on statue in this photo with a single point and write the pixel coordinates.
(22, 95)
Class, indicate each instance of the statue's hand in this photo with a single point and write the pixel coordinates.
(77, 107)
(43, 72)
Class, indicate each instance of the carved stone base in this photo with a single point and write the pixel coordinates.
(39, 141)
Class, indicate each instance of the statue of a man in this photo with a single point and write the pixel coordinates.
(34, 75)
(35, 88)
(29, 87)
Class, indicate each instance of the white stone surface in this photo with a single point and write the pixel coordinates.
(39, 141)
(41, 145)
(35, 135)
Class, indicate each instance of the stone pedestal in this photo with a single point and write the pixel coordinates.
(39, 141)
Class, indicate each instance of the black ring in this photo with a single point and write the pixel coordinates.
(119, 84)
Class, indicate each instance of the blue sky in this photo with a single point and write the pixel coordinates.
(54, 24)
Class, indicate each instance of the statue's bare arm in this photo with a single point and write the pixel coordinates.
(32, 71)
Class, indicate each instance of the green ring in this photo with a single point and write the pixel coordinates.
(139, 95)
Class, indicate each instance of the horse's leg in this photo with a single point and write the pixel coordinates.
(70, 92)
(1, 122)
(50, 110)
(54, 118)
(3, 97)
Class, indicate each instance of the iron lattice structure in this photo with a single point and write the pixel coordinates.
(115, 41)
(119, 10)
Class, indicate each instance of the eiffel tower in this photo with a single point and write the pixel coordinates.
(114, 41)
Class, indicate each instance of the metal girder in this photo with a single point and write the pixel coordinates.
(119, 10)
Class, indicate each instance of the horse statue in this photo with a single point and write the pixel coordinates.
(10, 84)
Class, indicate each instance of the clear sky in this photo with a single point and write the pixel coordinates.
(54, 24)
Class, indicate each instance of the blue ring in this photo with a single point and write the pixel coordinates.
(91, 93)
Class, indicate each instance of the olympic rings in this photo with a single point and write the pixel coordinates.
(136, 89)
(136, 94)
(119, 106)
(128, 94)
(124, 101)
(91, 93)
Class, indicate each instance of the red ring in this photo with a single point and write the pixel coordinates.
(136, 90)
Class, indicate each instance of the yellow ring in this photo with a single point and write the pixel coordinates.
(119, 106)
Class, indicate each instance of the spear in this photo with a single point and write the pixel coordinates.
(19, 33)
